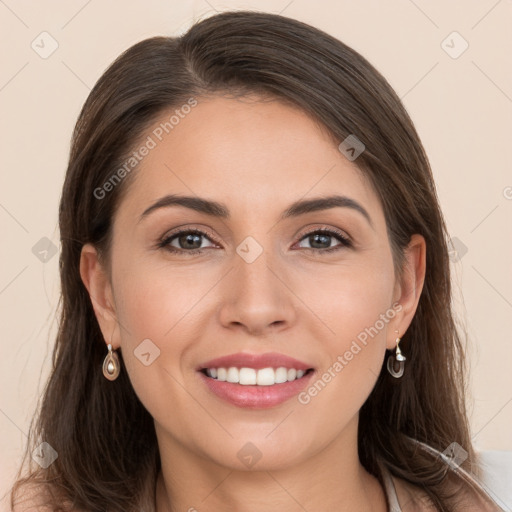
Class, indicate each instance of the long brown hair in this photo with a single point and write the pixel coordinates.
(108, 456)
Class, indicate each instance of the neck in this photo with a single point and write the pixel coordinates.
(332, 479)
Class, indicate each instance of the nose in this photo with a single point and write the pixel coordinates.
(257, 297)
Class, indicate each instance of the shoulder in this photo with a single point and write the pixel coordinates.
(414, 499)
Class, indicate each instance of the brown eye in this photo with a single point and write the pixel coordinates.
(188, 241)
(320, 238)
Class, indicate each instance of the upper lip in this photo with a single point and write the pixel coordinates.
(256, 361)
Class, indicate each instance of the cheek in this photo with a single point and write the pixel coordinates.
(155, 312)
(158, 310)
(156, 300)
(348, 299)
(363, 311)
(355, 308)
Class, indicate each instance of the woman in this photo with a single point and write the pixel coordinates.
(255, 290)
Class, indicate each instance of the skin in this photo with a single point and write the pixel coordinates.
(256, 158)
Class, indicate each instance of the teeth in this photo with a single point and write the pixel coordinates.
(250, 376)
(232, 375)
(247, 376)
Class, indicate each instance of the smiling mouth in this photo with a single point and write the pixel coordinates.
(245, 376)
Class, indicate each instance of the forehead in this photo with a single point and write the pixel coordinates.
(246, 152)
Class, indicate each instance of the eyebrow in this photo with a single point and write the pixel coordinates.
(220, 210)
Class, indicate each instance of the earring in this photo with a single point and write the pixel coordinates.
(398, 357)
(111, 365)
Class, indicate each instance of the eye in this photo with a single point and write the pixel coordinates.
(188, 241)
(321, 237)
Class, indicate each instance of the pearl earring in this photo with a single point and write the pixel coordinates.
(111, 365)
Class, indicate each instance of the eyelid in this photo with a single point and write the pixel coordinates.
(164, 242)
(323, 227)
(186, 229)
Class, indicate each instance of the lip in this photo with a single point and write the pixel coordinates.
(256, 397)
(256, 361)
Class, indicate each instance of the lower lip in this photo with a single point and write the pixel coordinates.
(256, 397)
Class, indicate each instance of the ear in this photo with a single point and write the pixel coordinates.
(408, 288)
(97, 282)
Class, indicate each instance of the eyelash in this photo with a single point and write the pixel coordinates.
(164, 243)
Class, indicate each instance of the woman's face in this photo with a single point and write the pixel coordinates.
(264, 281)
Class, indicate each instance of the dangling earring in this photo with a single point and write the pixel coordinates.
(398, 357)
(111, 365)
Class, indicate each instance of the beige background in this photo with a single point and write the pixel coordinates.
(462, 108)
